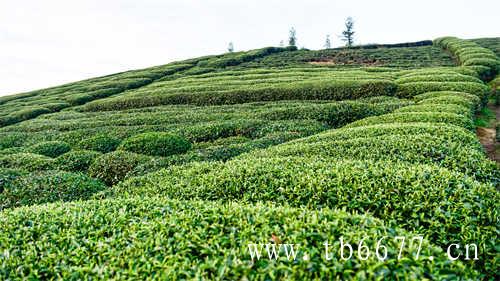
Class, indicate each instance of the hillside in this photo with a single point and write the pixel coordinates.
(169, 172)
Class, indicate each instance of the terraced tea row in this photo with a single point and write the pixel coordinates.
(174, 234)
(235, 87)
(395, 56)
(193, 174)
(24, 106)
(217, 133)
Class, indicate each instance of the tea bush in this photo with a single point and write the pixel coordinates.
(50, 148)
(415, 88)
(100, 143)
(175, 234)
(423, 198)
(410, 117)
(76, 160)
(44, 187)
(26, 161)
(112, 167)
(327, 90)
(156, 144)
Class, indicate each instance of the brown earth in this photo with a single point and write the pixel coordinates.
(487, 136)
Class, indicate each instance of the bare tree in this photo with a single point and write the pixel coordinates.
(230, 47)
(348, 33)
(292, 37)
(328, 44)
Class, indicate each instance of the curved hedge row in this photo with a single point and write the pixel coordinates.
(326, 90)
(201, 240)
(423, 198)
(411, 117)
(21, 189)
(411, 89)
(156, 144)
(426, 156)
(50, 148)
(471, 54)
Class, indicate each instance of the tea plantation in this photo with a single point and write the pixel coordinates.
(170, 172)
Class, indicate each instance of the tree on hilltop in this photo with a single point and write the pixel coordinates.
(328, 44)
(348, 33)
(230, 47)
(292, 38)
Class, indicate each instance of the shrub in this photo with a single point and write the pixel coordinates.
(335, 115)
(50, 148)
(79, 99)
(156, 144)
(470, 97)
(26, 161)
(450, 100)
(101, 143)
(410, 117)
(56, 106)
(325, 90)
(112, 167)
(483, 60)
(448, 108)
(438, 78)
(7, 179)
(49, 186)
(23, 114)
(11, 139)
(175, 234)
(76, 161)
(416, 88)
(423, 198)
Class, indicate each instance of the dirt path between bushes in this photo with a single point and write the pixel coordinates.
(487, 136)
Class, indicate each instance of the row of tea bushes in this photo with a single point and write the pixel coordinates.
(18, 188)
(252, 86)
(471, 54)
(197, 124)
(24, 106)
(421, 168)
(103, 239)
(398, 57)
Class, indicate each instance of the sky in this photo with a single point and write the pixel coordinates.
(50, 42)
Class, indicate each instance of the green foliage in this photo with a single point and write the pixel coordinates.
(262, 125)
(100, 143)
(424, 198)
(50, 148)
(240, 57)
(24, 114)
(112, 167)
(156, 144)
(470, 53)
(76, 160)
(175, 235)
(8, 140)
(415, 88)
(412, 117)
(26, 161)
(324, 90)
(43, 187)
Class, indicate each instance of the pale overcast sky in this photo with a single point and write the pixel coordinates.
(49, 42)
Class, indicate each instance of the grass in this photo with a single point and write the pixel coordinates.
(485, 118)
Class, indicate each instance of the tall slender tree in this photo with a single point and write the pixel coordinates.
(292, 37)
(348, 33)
(328, 44)
(230, 47)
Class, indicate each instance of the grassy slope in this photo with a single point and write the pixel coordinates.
(243, 151)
